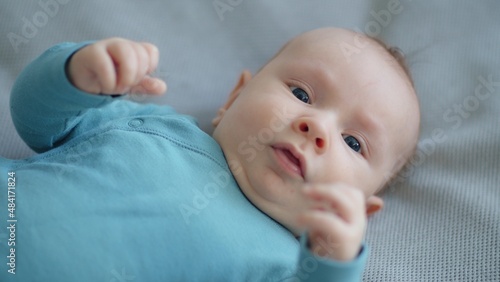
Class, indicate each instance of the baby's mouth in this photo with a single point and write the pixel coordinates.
(289, 160)
(291, 157)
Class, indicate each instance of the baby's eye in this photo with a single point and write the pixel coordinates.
(300, 94)
(352, 143)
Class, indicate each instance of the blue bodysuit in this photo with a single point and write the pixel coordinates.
(128, 192)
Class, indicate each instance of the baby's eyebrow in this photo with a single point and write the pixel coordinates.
(373, 127)
(318, 71)
(370, 122)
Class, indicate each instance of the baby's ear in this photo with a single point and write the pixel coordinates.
(373, 205)
(245, 77)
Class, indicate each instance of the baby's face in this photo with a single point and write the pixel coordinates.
(316, 115)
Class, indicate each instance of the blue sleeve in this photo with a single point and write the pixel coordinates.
(44, 105)
(314, 268)
(47, 110)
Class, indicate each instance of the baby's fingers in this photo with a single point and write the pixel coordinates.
(345, 201)
(133, 62)
(150, 85)
(126, 62)
(153, 56)
(323, 222)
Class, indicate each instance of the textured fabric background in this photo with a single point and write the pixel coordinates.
(442, 216)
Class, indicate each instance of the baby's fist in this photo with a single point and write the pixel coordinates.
(335, 221)
(115, 66)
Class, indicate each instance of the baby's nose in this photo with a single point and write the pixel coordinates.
(314, 131)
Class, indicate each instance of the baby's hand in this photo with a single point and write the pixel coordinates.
(116, 66)
(335, 221)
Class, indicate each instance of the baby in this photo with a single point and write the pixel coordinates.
(139, 192)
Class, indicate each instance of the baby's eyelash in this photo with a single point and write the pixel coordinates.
(294, 84)
(361, 141)
(301, 94)
(353, 143)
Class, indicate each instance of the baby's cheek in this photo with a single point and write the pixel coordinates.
(347, 173)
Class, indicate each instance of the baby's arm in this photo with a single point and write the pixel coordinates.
(54, 93)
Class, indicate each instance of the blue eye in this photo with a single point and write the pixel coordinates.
(300, 94)
(353, 143)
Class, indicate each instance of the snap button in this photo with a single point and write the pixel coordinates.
(136, 122)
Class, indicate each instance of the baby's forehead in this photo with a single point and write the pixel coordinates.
(337, 46)
(341, 46)
(335, 42)
(332, 36)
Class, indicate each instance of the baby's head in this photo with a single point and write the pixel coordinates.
(333, 106)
